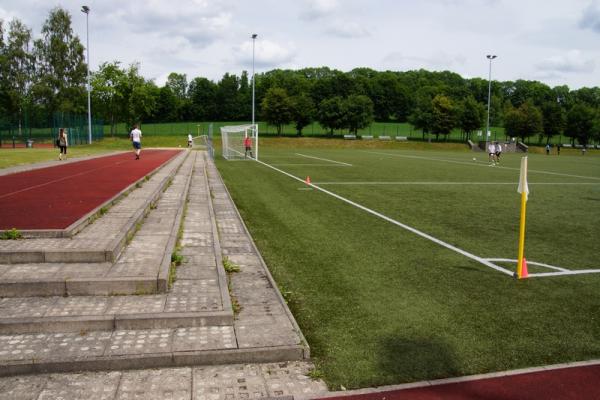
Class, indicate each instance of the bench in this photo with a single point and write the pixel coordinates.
(385, 138)
(367, 137)
(401, 138)
(566, 145)
(350, 137)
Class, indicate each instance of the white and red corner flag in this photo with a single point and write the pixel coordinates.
(523, 187)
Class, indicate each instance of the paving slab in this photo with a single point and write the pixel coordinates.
(223, 382)
(137, 269)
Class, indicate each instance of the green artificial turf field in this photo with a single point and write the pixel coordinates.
(382, 305)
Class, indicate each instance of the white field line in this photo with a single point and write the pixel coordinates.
(481, 165)
(529, 262)
(453, 183)
(324, 159)
(393, 221)
(571, 272)
(308, 165)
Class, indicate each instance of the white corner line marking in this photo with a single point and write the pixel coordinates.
(324, 159)
(539, 264)
(400, 224)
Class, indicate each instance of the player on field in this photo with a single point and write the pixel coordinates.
(248, 146)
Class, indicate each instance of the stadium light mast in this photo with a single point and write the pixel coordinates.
(254, 35)
(86, 11)
(487, 126)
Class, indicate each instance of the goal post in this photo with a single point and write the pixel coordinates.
(239, 142)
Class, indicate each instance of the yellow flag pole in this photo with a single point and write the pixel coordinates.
(522, 234)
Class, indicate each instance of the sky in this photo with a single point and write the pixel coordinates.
(553, 41)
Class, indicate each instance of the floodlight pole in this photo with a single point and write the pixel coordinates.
(487, 126)
(254, 35)
(86, 11)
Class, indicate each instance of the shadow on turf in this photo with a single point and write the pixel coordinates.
(411, 359)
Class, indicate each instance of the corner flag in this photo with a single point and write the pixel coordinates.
(523, 187)
(524, 190)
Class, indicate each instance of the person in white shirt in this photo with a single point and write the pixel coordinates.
(492, 153)
(136, 140)
(190, 140)
(498, 152)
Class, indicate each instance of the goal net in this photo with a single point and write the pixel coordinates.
(240, 142)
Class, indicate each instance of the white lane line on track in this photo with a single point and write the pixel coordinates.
(324, 159)
(59, 180)
(393, 221)
(480, 165)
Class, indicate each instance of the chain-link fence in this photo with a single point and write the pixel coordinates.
(43, 132)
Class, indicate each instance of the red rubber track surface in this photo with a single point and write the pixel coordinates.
(55, 197)
(575, 383)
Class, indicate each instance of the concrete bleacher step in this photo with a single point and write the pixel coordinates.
(192, 324)
(142, 267)
(199, 296)
(103, 240)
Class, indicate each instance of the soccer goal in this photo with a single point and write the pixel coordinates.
(240, 142)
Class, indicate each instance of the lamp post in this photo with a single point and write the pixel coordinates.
(487, 126)
(86, 11)
(254, 35)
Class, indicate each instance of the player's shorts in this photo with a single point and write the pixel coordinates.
(137, 145)
(248, 148)
(498, 153)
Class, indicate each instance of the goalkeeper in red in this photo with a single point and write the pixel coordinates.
(248, 146)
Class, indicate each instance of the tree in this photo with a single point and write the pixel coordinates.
(580, 123)
(107, 96)
(443, 116)
(227, 100)
(60, 67)
(303, 111)
(202, 95)
(524, 121)
(358, 112)
(331, 114)
(422, 115)
(139, 96)
(470, 116)
(17, 70)
(277, 108)
(553, 119)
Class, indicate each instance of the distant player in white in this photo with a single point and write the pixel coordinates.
(136, 140)
(498, 152)
(492, 153)
(190, 140)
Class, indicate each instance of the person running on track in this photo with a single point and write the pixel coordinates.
(62, 142)
(136, 140)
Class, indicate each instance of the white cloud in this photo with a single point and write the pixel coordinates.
(316, 9)
(591, 17)
(573, 61)
(268, 54)
(437, 61)
(347, 29)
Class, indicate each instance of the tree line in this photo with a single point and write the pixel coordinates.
(46, 75)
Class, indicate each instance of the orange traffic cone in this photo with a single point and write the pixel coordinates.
(308, 180)
(524, 273)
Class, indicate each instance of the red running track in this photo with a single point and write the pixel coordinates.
(55, 197)
(573, 383)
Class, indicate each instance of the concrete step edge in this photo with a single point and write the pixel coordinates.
(111, 322)
(156, 360)
(111, 252)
